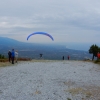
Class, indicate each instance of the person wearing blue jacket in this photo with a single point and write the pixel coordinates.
(13, 55)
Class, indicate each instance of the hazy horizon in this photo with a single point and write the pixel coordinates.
(68, 45)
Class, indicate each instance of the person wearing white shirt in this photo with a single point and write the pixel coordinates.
(16, 56)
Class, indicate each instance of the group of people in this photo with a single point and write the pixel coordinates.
(67, 57)
(13, 56)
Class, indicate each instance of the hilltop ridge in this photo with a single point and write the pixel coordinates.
(33, 50)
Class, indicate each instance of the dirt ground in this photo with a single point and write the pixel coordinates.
(50, 80)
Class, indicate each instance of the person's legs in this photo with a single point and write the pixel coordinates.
(12, 60)
(9, 59)
(16, 59)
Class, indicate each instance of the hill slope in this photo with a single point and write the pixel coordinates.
(33, 50)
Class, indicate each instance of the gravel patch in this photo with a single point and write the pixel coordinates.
(50, 80)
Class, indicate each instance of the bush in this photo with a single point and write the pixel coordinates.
(97, 61)
(2, 56)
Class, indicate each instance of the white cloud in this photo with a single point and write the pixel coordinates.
(66, 20)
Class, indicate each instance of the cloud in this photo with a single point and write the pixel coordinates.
(66, 20)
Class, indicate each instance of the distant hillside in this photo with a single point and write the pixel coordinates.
(33, 50)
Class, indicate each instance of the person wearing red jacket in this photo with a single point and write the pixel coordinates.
(68, 57)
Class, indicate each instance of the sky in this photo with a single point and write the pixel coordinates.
(68, 21)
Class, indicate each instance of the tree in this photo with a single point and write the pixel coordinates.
(3, 57)
(94, 49)
(99, 49)
(0, 55)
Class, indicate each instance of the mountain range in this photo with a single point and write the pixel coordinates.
(48, 51)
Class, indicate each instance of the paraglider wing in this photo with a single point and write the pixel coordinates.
(43, 33)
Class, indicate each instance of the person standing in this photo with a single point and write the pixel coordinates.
(68, 57)
(9, 55)
(63, 57)
(13, 56)
(41, 55)
(16, 56)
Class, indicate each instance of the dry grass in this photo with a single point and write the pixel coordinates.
(24, 59)
(74, 91)
(4, 64)
(42, 60)
(87, 92)
(3, 60)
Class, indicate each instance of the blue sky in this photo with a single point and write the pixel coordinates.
(75, 21)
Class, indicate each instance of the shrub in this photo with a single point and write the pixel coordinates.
(97, 61)
(2, 56)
